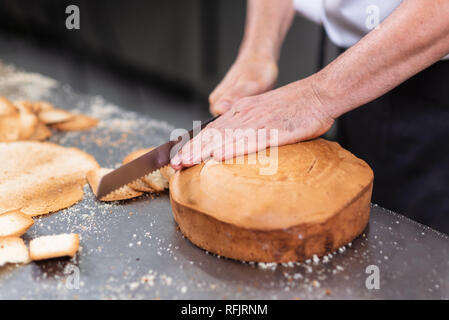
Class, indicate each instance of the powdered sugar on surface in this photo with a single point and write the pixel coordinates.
(20, 85)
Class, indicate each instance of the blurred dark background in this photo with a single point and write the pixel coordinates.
(181, 48)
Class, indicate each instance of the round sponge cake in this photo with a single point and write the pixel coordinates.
(316, 200)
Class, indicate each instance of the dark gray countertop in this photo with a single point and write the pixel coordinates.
(133, 249)
(412, 260)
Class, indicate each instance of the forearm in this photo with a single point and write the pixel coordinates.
(412, 38)
(267, 23)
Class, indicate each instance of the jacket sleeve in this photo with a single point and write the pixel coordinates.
(310, 9)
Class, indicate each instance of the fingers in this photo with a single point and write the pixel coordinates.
(221, 108)
(232, 94)
(220, 137)
(218, 147)
(247, 77)
(227, 81)
(241, 146)
(198, 149)
(176, 162)
(219, 91)
(218, 108)
(182, 158)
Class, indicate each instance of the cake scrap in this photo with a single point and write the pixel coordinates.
(32, 120)
(13, 250)
(14, 223)
(124, 193)
(155, 181)
(54, 246)
(40, 177)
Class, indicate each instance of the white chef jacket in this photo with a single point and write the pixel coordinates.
(347, 21)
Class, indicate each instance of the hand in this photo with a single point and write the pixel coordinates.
(248, 76)
(295, 111)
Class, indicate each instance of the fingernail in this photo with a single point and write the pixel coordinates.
(176, 161)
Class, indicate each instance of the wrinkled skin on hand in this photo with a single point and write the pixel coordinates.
(248, 76)
(294, 111)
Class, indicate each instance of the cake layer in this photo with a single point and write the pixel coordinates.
(317, 200)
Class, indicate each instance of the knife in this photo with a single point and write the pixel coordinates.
(145, 164)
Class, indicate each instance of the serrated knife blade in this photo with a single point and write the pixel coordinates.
(145, 164)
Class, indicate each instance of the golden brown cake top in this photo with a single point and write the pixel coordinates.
(314, 180)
